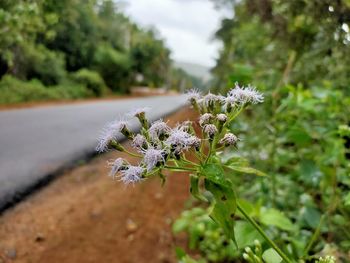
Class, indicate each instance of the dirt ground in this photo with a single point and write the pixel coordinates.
(86, 216)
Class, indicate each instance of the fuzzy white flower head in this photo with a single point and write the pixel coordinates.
(132, 174)
(117, 165)
(246, 94)
(193, 94)
(138, 111)
(153, 157)
(195, 142)
(210, 129)
(230, 100)
(179, 139)
(205, 118)
(110, 132)
(158, 128)
(139, 142)
(211, 98)
(184, 126)
(229, 139)
(221, 117)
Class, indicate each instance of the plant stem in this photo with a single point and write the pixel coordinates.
(262, 232)
(314, 236)
(179, 168)
(133, 154)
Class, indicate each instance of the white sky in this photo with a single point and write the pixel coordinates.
(186, 25)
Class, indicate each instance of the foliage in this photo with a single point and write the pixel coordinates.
(92, 80)
(49, 40)
(16, 91)
(281, 42)
(300, 138)
(113, 66)
(205, 235)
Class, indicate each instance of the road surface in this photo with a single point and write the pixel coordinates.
(37, 142)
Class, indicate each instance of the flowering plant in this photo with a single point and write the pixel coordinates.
(160, 148)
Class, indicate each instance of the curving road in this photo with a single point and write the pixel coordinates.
(37, 142)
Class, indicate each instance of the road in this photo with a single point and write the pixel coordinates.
(37, 142)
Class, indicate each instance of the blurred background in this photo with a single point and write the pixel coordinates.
(297, 52)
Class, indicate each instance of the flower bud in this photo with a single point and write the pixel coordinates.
(116, 145)
(229, 139)
(211, 130)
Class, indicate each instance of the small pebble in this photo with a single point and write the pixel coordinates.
(131, 226)
(39, 237)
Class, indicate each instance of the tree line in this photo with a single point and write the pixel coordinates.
(78, 48)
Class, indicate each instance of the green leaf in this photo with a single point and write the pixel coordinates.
(347, 199)
(245, 234)
(179, 225)
(195, 188)
(247, 170)
(311, 216)
(180, 253)
(237, 161)
(215, 173)
(271, 256)
(224, 208)
(276, 218)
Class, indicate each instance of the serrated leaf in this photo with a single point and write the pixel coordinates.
(224, 208)
(271, 256)
(247, 170)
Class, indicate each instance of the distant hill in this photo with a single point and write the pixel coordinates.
(196, 70)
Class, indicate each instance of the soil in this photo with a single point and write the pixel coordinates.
(86, 216)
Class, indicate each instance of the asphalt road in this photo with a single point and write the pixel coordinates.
(37, 142)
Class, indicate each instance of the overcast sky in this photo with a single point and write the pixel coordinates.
(186, 25)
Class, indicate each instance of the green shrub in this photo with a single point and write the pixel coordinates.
(114, 67)
(92, 80)
(13, 90)
(38, 62)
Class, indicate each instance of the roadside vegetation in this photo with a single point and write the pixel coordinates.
(54, 50)
(297, 53)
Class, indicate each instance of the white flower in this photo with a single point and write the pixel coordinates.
(195, 142)
(193, 94)
(184, 126)
(211, 98)
(157, 129)
(210, 129)
(153, 157)
(132, 174)
(109, 133)
(229, 139)
(230, 100)
(139, 142)
(117, 165)
(138, 111)
(179, 140)
(205, 118)
(246, 94)
(221, 117)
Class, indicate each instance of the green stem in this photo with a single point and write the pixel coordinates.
(133, 154)
(314, 236)
(261, 231)
(180, 168)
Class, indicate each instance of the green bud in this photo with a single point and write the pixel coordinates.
(116, 145)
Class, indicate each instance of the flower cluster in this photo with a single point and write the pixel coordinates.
(156, 145)
(161, 147)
